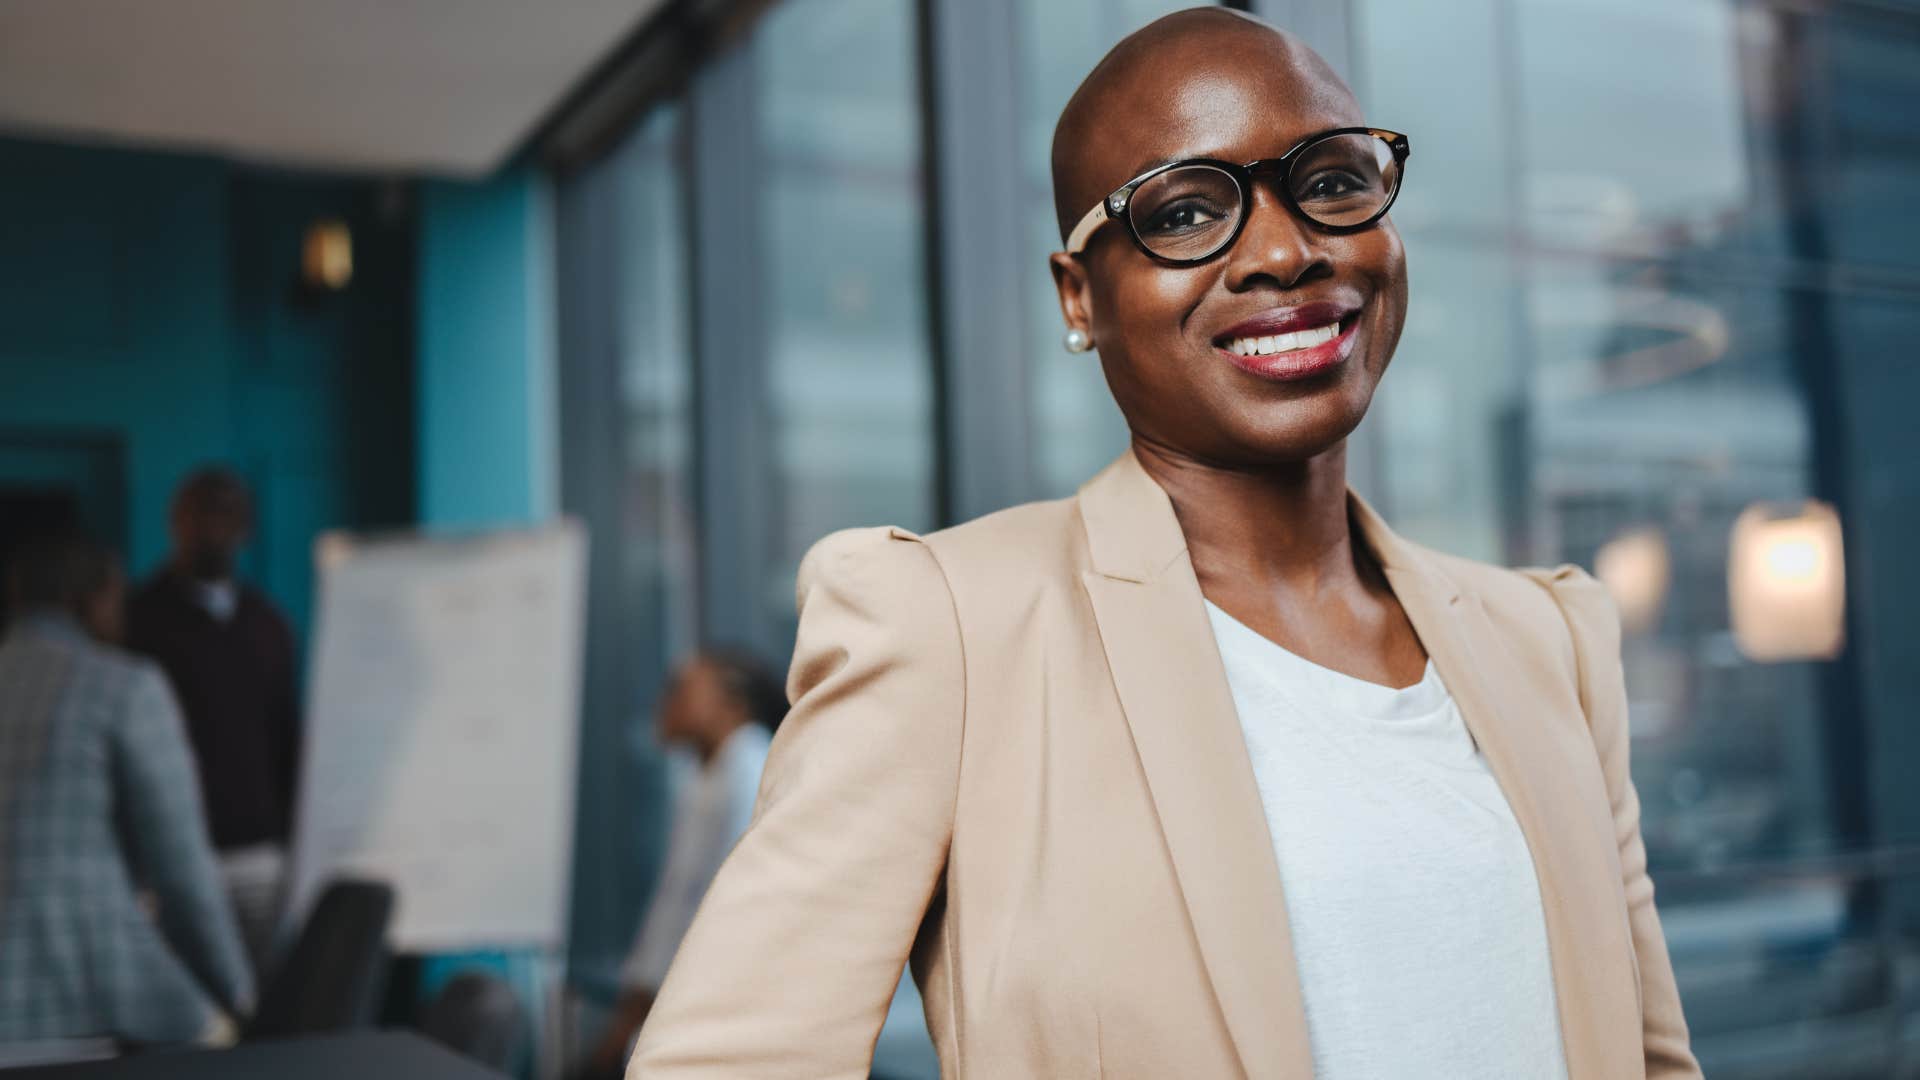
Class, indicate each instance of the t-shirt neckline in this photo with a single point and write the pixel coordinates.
(1288, 669)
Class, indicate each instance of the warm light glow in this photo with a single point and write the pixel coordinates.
(1786, 583)
(1793, 560)
(326, 256)
(330, 549)
(1636, 568)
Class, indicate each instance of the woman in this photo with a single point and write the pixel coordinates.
(99, 804)
(1202, 772)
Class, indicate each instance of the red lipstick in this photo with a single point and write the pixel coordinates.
(1284, 344)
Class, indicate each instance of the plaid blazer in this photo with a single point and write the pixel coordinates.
(98, 798)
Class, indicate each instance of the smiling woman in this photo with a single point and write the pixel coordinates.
(1203, 771)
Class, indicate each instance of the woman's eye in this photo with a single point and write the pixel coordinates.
(1180, 216)
(1332, 185)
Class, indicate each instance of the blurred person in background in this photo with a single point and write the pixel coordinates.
(230, 657)
(100, 801)
(1202, 772)
(721, 708)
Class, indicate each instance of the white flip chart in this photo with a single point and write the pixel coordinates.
(442, 729)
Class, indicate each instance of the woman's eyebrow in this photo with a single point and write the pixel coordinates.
(1143, 169)
(1220, 155)
(1155, 163)
(1215, 154)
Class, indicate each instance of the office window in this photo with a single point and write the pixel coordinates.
(627, 470)
(656, 383)
(1632, 130)
(848, 364)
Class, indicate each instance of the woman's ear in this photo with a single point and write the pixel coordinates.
(1076, 300)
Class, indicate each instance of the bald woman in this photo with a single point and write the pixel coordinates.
(1202, 772)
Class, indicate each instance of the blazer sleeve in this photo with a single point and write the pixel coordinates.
(1595, 626)
(791, 962)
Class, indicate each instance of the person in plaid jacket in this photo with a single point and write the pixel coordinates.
(113, 920)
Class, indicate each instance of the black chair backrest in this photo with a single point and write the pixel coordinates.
(332, 977)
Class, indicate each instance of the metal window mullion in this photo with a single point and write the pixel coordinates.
(733, 431)
(587, 271)
(976, 244)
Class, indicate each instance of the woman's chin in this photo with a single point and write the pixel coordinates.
(1302, 430)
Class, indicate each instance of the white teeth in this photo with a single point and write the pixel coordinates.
(1279, 343)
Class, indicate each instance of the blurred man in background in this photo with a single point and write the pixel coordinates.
(721, 707)
(230, 657)
(99, 797)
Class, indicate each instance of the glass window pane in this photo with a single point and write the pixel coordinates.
(1862, 171)
(656, 380)
(1596, 124)
(1664, 410)
(627, 428)
(1446, 415)
(1632, 120)
(849, 366)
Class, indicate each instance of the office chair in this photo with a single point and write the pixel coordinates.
(332, 978)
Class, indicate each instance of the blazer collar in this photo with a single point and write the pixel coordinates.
(1133, 535)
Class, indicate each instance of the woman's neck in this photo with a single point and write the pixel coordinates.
(1280, 526)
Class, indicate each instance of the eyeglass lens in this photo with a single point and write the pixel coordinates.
(1192, 212)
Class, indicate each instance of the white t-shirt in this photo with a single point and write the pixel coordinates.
(1415, 914)
(220, 599)
(710, 811)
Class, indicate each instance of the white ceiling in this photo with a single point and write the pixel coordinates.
(436, 86)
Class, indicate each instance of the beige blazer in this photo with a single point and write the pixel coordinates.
(1014, 759)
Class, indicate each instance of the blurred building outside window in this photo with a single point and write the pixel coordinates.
(848, 362)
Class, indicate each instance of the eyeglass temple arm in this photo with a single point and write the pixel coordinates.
(1094, 218)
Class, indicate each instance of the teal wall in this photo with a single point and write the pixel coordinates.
(485, 342)
(149, 323)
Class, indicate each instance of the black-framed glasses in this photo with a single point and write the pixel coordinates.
(1185, 212)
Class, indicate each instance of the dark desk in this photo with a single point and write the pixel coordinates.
(364, 1055)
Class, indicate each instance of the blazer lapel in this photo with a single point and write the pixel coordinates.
(1173, 689)
(1508, 706)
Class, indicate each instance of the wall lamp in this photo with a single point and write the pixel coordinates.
(326, 256)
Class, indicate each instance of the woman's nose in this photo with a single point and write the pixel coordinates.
(1274, 244)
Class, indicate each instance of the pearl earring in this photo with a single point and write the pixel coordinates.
(1077, 341)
